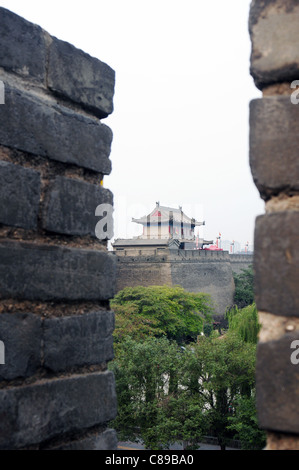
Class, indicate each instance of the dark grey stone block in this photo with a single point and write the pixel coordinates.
(19, 195)
(53, 131)
(22, 336)
(104, 441)
(277, 381)
(22, 46)
(46, 272)
(81, 78)
(78, 340)
(71, 204)
(276, 261)
(34, 413)
(274, 141)
(273, 26)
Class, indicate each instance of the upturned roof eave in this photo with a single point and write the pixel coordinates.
(153, 220)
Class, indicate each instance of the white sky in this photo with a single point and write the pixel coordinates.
(181, 105)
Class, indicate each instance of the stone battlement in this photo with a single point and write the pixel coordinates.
(178, 255)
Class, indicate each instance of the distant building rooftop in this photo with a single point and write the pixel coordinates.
(165, 227)
(164, 215)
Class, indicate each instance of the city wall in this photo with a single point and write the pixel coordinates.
(239, 262)
(196, 271)
(56, 277)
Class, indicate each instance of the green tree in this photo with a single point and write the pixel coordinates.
(244, 288)
(166, 394)
(183, 420)
(244, 424)
(244, 322)
(128, 323)
(165, 311)
(219, 370)
(151, 405)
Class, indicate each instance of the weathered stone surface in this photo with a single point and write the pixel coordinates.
(78, 340)
(240, 262)
(34, 413)
(54, 96)
(81, 78)
(47, 272)
(53, 131)
(195, 271)
(276, 261)
(282, 441)
(19, 195)
(22, 336)
(71, 204)
(22, 46)
(274, 141)
(213, 278)
(277, 385)
(104, 441)
(273, 26)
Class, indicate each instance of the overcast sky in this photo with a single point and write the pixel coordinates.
(181, 105)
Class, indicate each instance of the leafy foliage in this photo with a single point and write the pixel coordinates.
(129, 324)
(166, 394)
(244, 288)
(220, 369)
(244, 322)
(150, 403)
(245, 424)
(164, 311)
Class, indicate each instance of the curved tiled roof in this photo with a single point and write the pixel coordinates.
(163, 214)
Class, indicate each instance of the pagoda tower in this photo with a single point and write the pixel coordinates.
(165, 227)
(166, 223)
